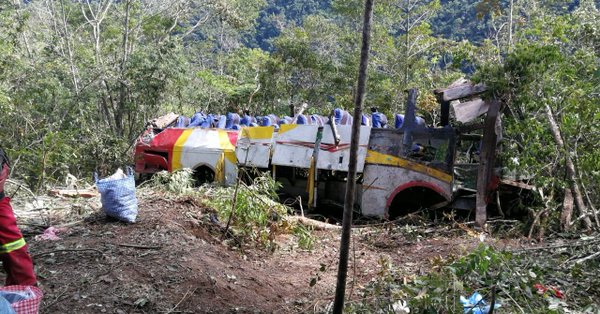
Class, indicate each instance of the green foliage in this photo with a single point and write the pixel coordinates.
(317, 276)
(554, 64)
(74, 94)
(306, 240)
(439, 291)
(179, 182)
(279, 14)
(257, 217)
(463, 20)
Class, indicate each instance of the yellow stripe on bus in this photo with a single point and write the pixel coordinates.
(224, 141)
(286, 127)
(258, 132)
(378, 158)
(231, 157)
(178, 149)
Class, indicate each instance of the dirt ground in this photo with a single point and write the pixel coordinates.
(174, 261)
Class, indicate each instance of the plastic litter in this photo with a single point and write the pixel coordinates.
(22, 299)
(5, 307)
(378, 120)
(475, 304)
(49, 234)
(117, 194)
(400, 307)
(118, 175)
(548, 290)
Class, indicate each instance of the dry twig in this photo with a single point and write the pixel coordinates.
(185, 296)
(550, 247)
(67, 250)
(143, 247)
(589, 257)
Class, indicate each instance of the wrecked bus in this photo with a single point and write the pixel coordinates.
(400, 169)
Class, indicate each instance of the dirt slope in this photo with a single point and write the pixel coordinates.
(173, 261)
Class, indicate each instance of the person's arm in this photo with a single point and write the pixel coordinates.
(3, 177)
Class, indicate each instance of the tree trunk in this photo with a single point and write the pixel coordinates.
(510, 27)
(406, 48)
(123, 89)
(567, 211)
(486, 164)
(69, 49)
(340, 290)
(571, 173)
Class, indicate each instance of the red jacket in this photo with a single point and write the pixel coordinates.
(13, 250)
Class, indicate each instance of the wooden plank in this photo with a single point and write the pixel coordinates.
(410, 119)
(468, 111)
(445, 105)
(317, 225)
(486, 163)
(164, 121)
(461, 91)
(518, 184)
(460, 81)
(445, 113)
(73, 193)
(469, 127)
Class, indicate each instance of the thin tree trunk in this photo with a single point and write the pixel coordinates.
(119, 113)
(407, 44)
(510, 26)
(340, 291)
(567, 211)
(95, 19)
(24, 32)
(69, 49)
(571, 173)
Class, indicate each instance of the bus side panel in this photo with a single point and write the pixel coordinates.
(381, 183)
(254, 146)
(207, 147)
(389, 169)
(294, 145)
(337, 157)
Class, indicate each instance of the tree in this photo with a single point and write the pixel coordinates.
(549, 84)
(86, 75)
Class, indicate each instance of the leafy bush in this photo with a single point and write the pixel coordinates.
(180, 181)
(523, 285)
(257, 216)
(305, 239)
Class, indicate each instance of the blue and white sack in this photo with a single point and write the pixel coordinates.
(117, 194)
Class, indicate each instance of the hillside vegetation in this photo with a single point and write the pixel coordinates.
(78, 79)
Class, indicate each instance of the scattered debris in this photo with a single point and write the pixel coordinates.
(175, 260)
(315, 224)
(88, 193)
(50, 234)
(475, 304)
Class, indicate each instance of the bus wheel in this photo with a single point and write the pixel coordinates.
(413, 199)
(202, 175)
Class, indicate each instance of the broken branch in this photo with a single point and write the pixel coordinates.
(143, 247)
(67, 250)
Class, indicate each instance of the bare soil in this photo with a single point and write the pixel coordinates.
(173, 260)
